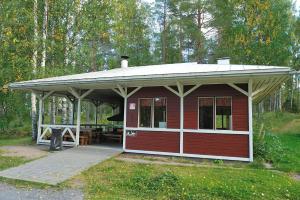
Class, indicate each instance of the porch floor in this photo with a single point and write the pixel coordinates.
(60, 166)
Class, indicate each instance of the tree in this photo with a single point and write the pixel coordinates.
(253, 32)
(34, 71)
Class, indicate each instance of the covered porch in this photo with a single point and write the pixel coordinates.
(77, 130)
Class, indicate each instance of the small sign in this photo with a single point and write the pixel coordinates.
(132, 106)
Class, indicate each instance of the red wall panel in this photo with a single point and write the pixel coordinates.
(173, 105)
(216, 144)
(239, 105)
(154, 141)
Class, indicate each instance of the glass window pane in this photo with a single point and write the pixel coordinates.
(223, 113)
(206, 113)
(160, 113)
(145, 112)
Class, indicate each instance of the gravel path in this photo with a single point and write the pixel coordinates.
(8, 192)
(28, 152)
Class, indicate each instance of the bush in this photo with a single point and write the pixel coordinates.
(267, 147)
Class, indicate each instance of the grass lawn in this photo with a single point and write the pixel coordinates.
(286, 126)
(15, 141)
(8, 161)
(290, 161)
(122, 180)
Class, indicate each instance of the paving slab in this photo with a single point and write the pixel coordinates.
(60, 166)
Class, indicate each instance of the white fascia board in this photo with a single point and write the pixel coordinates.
(112, 80)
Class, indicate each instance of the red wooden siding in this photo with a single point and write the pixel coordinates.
(173, 105)
(154, 141)
(239, 105)
(216, 144)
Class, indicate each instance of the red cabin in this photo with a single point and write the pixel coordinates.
(186, 109)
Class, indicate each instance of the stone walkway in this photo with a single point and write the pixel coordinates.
(60, 166)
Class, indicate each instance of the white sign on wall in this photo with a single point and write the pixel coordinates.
(132, 106)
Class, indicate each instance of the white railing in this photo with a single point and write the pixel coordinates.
(47, 128)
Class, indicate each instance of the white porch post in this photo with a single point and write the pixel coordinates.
(181, 122)
(41, 102)
(124, 120)
(250, 120)
(78, 121)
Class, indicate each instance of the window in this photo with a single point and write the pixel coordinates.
(223, 113)
(206, 113)
(215, 113)
(153, 112)
(145, 112)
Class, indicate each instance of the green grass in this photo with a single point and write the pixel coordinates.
(290, 161)
(286, 126)
(121, 180)
(15, 141)
(8, 161)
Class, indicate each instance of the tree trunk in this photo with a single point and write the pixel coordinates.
(53, 110)
(45, 30)
(199, 42)
(164, 33)
(34, 65)
(64, 111)
(71, 109)
(94, 56)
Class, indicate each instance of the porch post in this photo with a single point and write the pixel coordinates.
(181, 123)
(125, 119)
(181, 95)
(78, 121)
(41, 102)
(250, 120)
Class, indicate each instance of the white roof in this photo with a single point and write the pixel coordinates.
(155, 75)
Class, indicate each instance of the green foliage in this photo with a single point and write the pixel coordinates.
(281, 144)
(268, 147)
(254, 32)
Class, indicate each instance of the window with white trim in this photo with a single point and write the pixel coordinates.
(215, 113)
(153, 112)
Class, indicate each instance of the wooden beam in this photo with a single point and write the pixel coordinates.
(180, 88)
(118, 92)
(172, 90)
(238, 88)
(74, 92)
(134, 91)
(192, 89)
(47, 95)
(122, 90)
(86, 93)
(259, 90)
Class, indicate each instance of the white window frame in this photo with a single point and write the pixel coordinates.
(152, 112)
(215, 128)
(213, 98)
(215, 112)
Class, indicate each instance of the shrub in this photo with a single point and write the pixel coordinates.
(267, 147)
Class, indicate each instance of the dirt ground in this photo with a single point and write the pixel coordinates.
(28, 152)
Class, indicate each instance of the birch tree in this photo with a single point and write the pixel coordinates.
(34, 71)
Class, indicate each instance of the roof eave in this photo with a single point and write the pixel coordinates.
(245, 73)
